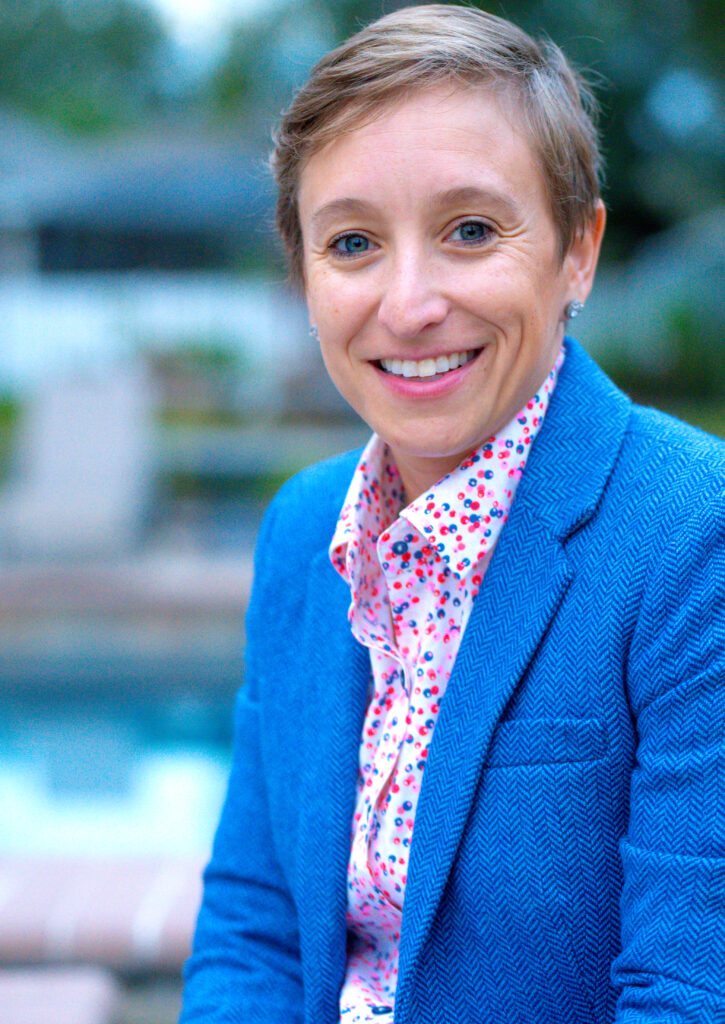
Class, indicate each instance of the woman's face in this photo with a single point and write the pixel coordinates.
(433, 274)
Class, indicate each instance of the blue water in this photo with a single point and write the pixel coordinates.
(95, 780)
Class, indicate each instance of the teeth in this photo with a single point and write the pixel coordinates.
(410, 368)
(426, 367)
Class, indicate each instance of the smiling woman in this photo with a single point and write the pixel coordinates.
(476, 771)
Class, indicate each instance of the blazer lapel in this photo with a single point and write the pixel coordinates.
(336, 671)
(524, 584)
(507, 622)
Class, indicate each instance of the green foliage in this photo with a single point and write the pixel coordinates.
(708, 416)
(209, 416)
(232, 84)
(85, 65)
(200, 355)
(10, 411)
(695, 369)
(198, 379)
(212, 486)
(699, 368)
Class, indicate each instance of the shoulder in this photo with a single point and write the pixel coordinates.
(672, 457)
(653, 451)
(323, 483)
(674, 478)
(675, 557)
(293, 543)
(301, 518)
(675, 437)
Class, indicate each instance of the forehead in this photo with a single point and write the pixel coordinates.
(445, 138)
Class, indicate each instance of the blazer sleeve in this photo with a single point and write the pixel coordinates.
(245, 964)
(671, 968)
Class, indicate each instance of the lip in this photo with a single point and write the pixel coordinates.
(424, 388)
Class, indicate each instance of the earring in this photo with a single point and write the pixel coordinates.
(573, 309)
(314, 333)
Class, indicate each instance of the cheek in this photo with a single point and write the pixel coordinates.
(330, 304)
(345, 379)
(342, 320)
(337, 363)
(502, 291)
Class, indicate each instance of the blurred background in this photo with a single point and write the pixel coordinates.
(157, 384)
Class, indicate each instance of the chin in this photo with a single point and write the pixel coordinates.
(435, 445)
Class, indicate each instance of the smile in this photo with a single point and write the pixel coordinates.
(427, 367)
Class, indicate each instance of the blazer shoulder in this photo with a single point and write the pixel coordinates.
(676, 451)
(307, 506)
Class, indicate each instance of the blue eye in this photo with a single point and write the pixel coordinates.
(350, 245)
(471, 231)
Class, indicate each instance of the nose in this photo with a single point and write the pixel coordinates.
(412, 298)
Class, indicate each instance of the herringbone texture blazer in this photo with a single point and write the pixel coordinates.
(568, 859)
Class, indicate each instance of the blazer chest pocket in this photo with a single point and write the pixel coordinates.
(532, 741)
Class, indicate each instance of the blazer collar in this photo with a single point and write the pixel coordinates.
(575, 452)
(562, 485)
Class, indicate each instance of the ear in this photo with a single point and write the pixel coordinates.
(581, 260)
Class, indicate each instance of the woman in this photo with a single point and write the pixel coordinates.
(479, 755)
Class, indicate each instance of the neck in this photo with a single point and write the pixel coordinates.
(419, 474)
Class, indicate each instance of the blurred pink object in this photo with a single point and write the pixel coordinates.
(58, 995)
(129, 914)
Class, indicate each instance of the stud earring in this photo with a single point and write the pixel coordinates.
(314, 333)
(573, 309)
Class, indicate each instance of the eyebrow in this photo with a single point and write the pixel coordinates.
(340, 208)
(474, 194)
(348, 206)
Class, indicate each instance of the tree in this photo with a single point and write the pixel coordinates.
(86, 65)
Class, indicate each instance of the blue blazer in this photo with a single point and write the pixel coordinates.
(568, 859)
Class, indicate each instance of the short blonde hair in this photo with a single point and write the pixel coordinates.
(419, 47)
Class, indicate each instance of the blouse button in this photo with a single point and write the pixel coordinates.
(378, 1011)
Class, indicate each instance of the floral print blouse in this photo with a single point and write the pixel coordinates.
(414, 573)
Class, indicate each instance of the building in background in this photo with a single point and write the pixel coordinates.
(179, 197)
